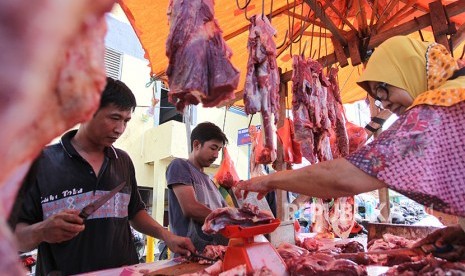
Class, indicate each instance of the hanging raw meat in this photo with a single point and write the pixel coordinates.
(301, 88)
(199, 67)
(318, 113)
(310, 109)
(339, 136)
(261, 91)
(291, 148)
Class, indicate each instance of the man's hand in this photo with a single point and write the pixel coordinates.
(453, 235)
(180, 245)
(62, 226)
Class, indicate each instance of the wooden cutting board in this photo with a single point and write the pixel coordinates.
(179, 269)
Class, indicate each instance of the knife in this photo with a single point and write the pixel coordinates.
(203, 257)
(415, 251)
(95, 205)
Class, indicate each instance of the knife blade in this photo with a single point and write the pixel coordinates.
(415, 251)
(400, 251)
(203, 257)
(96, 204)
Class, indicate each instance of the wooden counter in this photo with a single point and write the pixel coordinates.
(167, 267)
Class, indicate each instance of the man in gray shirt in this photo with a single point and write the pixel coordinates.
(192, 195)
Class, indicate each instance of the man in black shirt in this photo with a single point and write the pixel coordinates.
(73, 173)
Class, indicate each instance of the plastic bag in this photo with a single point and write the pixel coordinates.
(357, 136)
(291, 148)
(226, 176)
(262, 153)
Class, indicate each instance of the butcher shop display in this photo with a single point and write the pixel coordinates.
(199, 67)
(261, 91)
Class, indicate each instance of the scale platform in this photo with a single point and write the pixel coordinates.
(248, 246)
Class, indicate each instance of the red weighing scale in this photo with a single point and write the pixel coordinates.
(246, 248)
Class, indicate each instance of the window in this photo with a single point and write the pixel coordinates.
(113, 63)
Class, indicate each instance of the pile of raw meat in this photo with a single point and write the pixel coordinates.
(426, 267)
(300, 261)
(199, 67)
(52, 74)
(247, 215)
(387, 242)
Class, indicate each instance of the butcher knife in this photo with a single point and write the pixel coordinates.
(203, 257)
(415, 251)
(94, 206)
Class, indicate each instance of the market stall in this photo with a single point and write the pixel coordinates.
(70, 39)
(348, 31)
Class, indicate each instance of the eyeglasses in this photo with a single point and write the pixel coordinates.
(381, 94)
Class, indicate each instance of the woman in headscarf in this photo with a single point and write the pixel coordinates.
(422, 155)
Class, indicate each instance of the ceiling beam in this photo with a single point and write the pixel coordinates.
(276, 12)
(320, 13)
(458, 37)
(398, 16)
(406, 28)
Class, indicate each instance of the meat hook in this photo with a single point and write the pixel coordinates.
(284, 41)
(244, 8)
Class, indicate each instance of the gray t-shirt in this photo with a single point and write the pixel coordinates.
(181, 172)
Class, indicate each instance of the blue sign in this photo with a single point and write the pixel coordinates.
(243, 137)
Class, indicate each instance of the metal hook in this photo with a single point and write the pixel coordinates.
(263, 8)
(271, 12)
(245, 15)
(301, 30)
(319, 39)
(244, 8)
(303, 51)
(247, 2)
(284, 41)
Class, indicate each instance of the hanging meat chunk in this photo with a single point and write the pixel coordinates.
(340, 146)
(310, 109)
(261, 91)
(318, 113)
(303, 126)
(199, 67)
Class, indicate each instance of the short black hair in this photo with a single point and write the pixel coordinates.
(207, 131)
(117, 93)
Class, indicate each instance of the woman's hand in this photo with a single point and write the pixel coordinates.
(259, 184)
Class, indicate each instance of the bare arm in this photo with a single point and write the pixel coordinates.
(335, 178)
(144, 223)
(189, 204)
(57, 228)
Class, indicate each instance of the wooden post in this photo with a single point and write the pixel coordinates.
(280, 165)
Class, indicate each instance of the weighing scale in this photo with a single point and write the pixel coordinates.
(248, 246)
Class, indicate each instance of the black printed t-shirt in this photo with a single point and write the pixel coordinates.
(62, 179)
